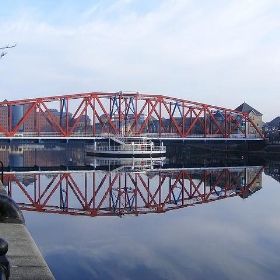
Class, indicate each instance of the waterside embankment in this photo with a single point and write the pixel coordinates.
(25, 259)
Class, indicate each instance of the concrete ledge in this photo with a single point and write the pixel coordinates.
(26, 261)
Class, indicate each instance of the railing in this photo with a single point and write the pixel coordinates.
(131, 147)
(135, 135)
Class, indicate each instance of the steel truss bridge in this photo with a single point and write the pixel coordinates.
(121, 114)
(121, 192)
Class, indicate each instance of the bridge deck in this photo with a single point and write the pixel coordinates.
(163, 138)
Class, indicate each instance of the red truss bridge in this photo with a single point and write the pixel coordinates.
(118, 193)
(121, 114)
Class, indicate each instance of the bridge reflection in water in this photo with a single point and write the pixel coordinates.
(129, 191)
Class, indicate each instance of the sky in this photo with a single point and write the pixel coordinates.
(218, 52)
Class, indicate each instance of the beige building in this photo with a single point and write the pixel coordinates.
(254, 115)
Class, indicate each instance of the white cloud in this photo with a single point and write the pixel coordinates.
(220, 54)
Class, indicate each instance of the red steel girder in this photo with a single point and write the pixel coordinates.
(154, 108)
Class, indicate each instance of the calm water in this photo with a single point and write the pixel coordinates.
(154, 222)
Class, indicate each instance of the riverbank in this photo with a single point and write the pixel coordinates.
(25, 259)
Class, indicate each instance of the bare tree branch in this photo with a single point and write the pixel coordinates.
(6, 47)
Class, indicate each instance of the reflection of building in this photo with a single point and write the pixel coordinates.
(11, 153)
(25, 179)
(37, 155)
(254, 181)
(254, 115)
(26, 155)
(273, 170)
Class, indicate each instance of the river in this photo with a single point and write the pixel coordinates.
(202, 219)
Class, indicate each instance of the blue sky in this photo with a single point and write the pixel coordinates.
(216, 52)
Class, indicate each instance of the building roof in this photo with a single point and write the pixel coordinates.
(275, 122)
(247, 109)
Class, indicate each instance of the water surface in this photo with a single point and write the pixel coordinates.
(227, 228)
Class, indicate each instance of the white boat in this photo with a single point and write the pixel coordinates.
(142, 149)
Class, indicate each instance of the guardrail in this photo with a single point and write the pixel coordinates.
(131, 147)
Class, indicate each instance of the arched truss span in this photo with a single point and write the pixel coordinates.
(123, 114)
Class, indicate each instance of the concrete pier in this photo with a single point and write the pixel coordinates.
(26, 261)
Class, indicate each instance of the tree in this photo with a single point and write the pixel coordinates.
(3, 49)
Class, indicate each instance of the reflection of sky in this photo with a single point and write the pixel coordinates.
(227, 239)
